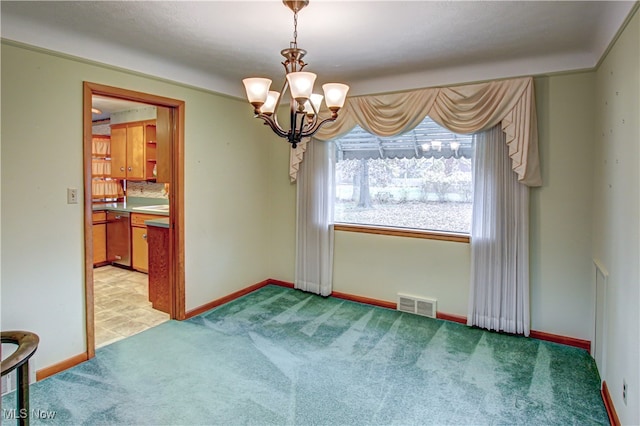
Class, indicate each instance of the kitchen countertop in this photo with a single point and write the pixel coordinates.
(159, 223)
(131, 206)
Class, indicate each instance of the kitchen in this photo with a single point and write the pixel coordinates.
(130, 185)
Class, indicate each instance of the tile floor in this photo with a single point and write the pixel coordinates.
(121, 304)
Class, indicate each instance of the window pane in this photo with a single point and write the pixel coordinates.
(420, 180)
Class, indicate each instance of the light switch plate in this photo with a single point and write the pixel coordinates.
(72, 196)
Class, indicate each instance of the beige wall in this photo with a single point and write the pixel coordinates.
(226, 167)
(282, 211)
(562, 300)
(381, 266)
(616, 207)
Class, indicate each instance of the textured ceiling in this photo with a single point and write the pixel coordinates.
(374, 46)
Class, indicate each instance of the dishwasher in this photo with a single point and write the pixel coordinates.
(119, 238)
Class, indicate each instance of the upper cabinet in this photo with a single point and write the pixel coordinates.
(150, 150)
(163, 144)
(133, 150)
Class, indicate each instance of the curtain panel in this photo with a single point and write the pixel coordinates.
(461, 109)
(314, 220)
(499, 287)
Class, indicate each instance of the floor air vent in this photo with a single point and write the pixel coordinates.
(417, 305)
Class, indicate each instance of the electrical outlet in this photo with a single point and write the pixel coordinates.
(624, 391)
(72, 196)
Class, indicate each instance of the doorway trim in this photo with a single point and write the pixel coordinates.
(176, 199)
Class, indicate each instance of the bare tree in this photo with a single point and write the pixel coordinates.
(365, 195)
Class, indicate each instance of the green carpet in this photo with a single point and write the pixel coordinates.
(284, 357)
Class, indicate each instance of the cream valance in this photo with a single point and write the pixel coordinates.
(461, 109)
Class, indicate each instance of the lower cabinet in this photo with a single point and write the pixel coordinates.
(139, 249)
(139, 241)
(159, 269)
(99, 238)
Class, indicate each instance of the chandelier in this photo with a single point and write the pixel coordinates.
(305, 105)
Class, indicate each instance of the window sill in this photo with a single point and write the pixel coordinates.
(401, 232)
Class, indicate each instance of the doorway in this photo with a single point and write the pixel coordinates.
(171, 122)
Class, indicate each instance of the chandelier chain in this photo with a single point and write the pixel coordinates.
(295, 28)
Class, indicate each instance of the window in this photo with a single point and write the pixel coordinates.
(419, 180)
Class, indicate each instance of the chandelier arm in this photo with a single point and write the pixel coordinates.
(297, 133)
(316, 114)
(285, 86)
(286, 64)
(310, 123)
(274, 116)
(313, 131)
(293, 122)
(273, 124)
(303, 122)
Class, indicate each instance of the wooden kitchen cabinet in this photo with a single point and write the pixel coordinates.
(133, 150)
(140, 249)
(150, 150)
(139, 241)
(163, 144)
(159, 269)
(99, 238)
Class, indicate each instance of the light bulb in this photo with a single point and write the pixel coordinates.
(335, 95)
(316, 99)
(301, 85)
(257, 89)
(270, 104)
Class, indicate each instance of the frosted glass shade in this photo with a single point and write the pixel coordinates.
(270, 104)
(316, 99)
(335, 95)
(301, 85)
(257, 89)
